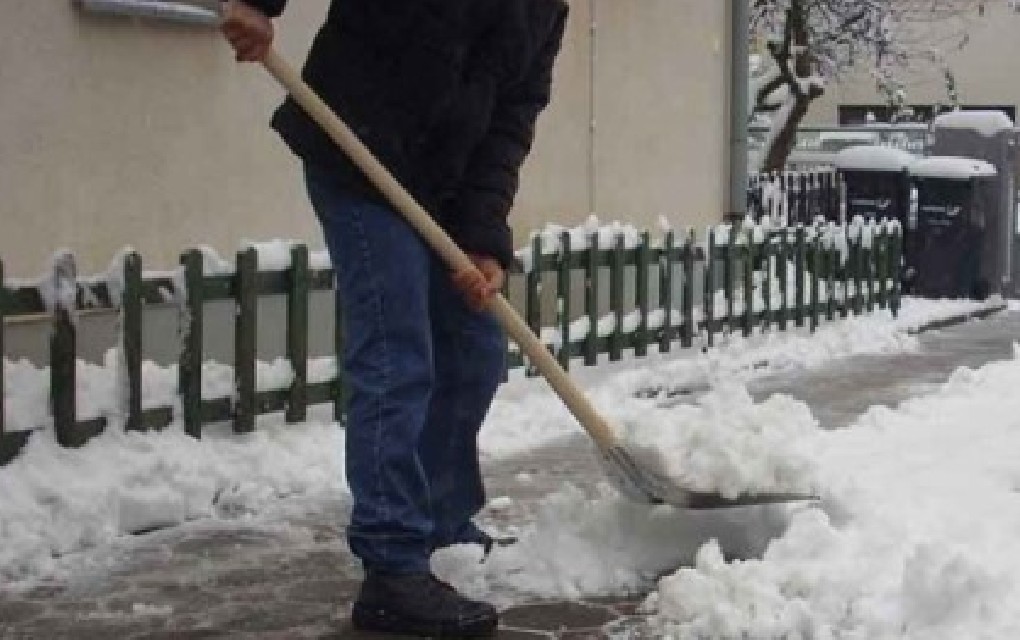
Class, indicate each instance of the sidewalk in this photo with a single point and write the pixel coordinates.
(232, 579)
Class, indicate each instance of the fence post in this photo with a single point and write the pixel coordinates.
(616, 299)
(709, 287)
(800, 267)
(784, 277)
(749, 284)
(666, 291)
(871, 266)
(190, 368)
(131, 317)
(591, 301)
(641, 295)
(857, 251)
(882, 265)
(297, 334)
(532, 297)
(816, 272)
(245, 332)
(687, 337)
(895, 270)
(766, 283)
(63, 349)
(730, 277)
(830, 288)
(563, 298)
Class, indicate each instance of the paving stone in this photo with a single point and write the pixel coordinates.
(557, 616)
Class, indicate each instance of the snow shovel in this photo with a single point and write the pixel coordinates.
(623, 469)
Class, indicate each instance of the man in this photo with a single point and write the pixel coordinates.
(446, 94)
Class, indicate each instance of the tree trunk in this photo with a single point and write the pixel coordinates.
(786, 138)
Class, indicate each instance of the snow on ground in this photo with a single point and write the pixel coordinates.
(59, 501)
(918, 539)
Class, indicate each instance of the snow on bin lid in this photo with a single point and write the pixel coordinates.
(987, 123)
(873, 158)
(952, 168)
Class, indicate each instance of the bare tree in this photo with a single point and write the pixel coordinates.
(811, 43)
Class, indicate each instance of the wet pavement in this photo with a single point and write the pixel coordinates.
(241, 579)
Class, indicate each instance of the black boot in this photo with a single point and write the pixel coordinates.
(421, 605)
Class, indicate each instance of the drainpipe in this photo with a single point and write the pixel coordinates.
(740, 24)
(158, 9)
(593, 51)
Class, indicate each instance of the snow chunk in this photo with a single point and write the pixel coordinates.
(727, 443)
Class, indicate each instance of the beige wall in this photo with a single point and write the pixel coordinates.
(119, 132)
(987, 70)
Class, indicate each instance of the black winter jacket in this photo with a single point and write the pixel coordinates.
(445, 92)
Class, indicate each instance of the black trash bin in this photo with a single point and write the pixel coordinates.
(877, 182)
(955, 200)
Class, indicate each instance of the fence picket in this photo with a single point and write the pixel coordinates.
(666, 291)
(782, 258)
(766, 284)
(297, 334)
(709, 288)
(641, 295)
(690, 327)
(616, 271)
(131, 318)
(895, 257)
(748, 284)
(63, 355)
(816, 272)
(800, 265)
(591, 300)
(532, 295)
(563, 308)
(245, 333)
(830, 282)
(858, 257)
(3, 387)
(729, 277)
(192, 351)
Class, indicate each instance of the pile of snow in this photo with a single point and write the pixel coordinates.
(725, 443)
(60, 501)
(918, 539)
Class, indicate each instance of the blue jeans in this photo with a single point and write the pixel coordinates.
(421, 369)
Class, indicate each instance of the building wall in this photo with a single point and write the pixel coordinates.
(985, 70)
(118, 132)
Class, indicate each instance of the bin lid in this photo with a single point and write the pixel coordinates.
(987, 123)
(873, 158)
(952, 168)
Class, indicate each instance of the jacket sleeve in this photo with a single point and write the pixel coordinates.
(272, 8)
(478, 213)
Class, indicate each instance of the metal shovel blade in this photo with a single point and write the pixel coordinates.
(644, 486)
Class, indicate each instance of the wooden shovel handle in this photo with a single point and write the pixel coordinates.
(596, 426)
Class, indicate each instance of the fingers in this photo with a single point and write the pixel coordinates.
(475, 287)
(248, 30)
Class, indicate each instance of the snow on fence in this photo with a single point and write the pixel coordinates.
(739, 279)
(795, 197)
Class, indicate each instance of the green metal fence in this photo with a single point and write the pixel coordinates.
(631, 296)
